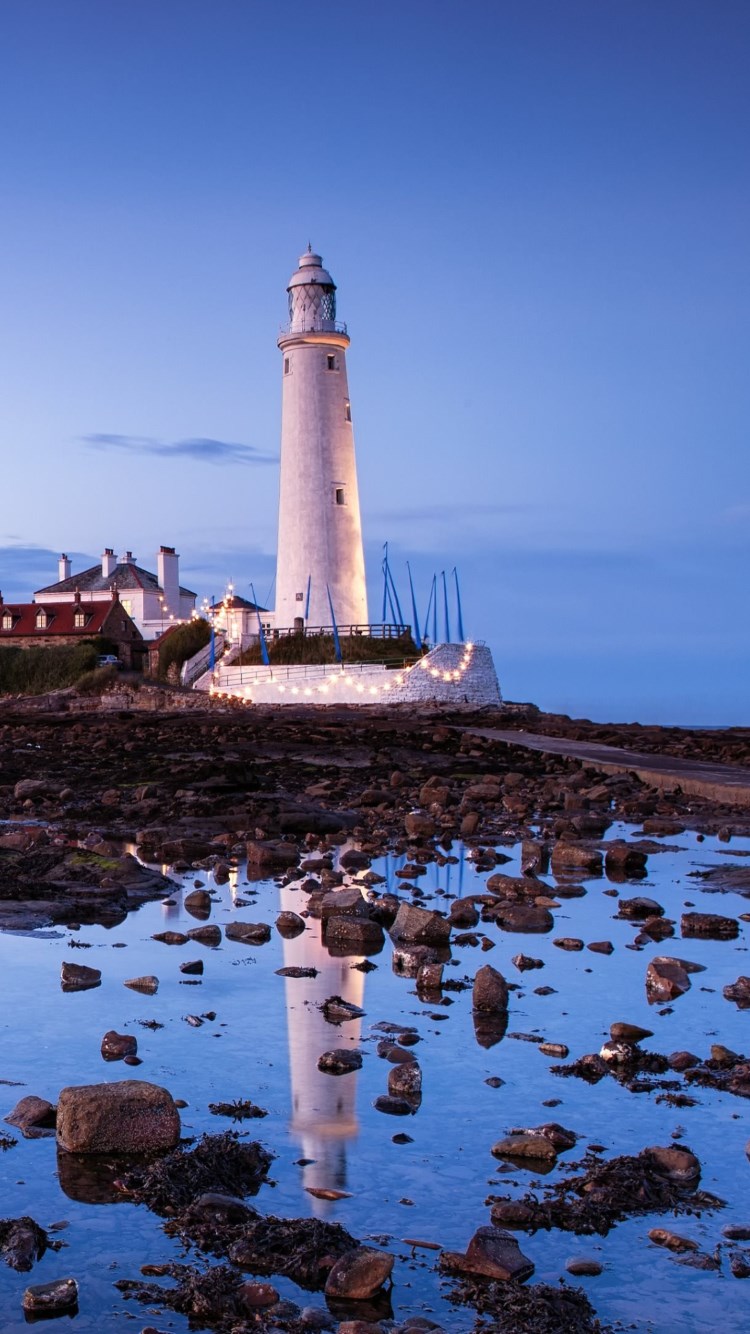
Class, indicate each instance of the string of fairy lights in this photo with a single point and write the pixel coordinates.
(452, 676)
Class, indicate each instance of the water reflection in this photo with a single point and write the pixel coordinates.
(324, 1113)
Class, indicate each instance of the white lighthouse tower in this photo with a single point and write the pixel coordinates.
(320, 531)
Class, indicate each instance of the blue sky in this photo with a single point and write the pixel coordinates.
(537, 217)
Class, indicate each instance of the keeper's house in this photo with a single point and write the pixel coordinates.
(54, 624)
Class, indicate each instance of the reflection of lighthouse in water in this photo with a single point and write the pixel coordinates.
(324, 1114)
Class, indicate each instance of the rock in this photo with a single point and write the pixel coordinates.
(568, 857)
(249, 933)
(624, 860)
(198, 903)
(524, 1145)
(78, 977)
(171, 937)
(337, 1010)
(33, 1116)
(522, 917)
(348, 902)
(255, 1296)
(47, 1299)
(490, 991)
(678, 1165)
(193, 967)
(709, 925)
(115, 1046)
(584, 1267)
(418, 926)
(639, 908)
(289, 924)
(568, 943)
(28, 789)
(661, 826)
(736, 1232)
(353, 935)
(601, 947)
(127, 1117)
(666, 979)
(622, 1032)
(739, 992)
(352, 860)
(359, 1274)
(558, 1050)
(523, 962)
(683, 1060)
(469, 824)
(463, 912)
(340, 1061)
(418, 825)
(392, 1106)
(148, 984)
(206, 935)
(534, 857)
(430, 977)
(493, 1253)
(405, 1080)
(661, 1236)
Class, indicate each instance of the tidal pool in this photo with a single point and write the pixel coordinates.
(264, 1045)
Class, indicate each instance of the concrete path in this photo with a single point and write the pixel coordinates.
(718, 782)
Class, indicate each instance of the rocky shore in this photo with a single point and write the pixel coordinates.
(314, 797)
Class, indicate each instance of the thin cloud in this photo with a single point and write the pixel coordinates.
(443, 512)
(201, 448)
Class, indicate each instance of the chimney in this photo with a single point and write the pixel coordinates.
(169, 578)
(63, 568)
(108, 563)
(127, 559)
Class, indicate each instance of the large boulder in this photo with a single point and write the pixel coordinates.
(418, 926)
(490, 991)
(131, 1116)
(359, 1274)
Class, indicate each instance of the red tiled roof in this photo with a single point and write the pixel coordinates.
(60, 618)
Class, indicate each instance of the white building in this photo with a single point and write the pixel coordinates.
(320, 532)
(153, 601)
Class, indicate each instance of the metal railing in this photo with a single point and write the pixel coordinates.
(229, 677)
(331, 326)
(366, 630)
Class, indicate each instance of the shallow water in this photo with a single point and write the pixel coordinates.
(264, 1045)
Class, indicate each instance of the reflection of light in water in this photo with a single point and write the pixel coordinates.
(324, 1114)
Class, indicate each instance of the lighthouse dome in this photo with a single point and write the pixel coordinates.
(312, 296)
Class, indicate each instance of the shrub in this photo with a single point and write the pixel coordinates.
(300, 648)
(180, 644)
(33, 671)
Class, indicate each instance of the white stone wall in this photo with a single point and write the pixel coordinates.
(458, 676)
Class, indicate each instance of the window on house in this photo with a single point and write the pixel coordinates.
(340, 498)
(348, 412)
(41, 620)
(127, 605)
(331, 360)
(79, 620)
(286, 365)
(7, 620)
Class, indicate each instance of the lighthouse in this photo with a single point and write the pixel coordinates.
(320, 531)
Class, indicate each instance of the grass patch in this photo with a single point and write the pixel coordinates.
(34, 671)
(290, 650)
(180, 645)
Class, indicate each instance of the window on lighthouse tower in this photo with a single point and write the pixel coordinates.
(348, 415)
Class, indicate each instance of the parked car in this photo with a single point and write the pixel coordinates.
(108, 660)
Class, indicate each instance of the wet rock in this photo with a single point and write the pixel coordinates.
(623, 1032)
(534, 857)
(267, 855)
(289, 925)
(198, 903)
(405, 1081)
(206, 935)
(493, 1253)
(739, 992)
(34, 1116)
(639, 908)
(148, 984)
(523, 962)
(463, 912)
(393, 1106)
(490, 991)
(353, 935)
(624, 860)
(340, 1061)
(524, 1145)
(50, 1299)
(662, 1236)
(683, 1060)
(23, 1242)
(583, 1266)
(601, 947)
(666, 979)
(348, 902)
(709, 925)
(359, 1274)
(568, 943)
(127, 1117)
(171, 937)
(79, 977)
(302, 1249)
(557, 1050)
(430, 977)
(418, 926)
(525, 918)
(338, 1011)
(353, 860)
(193, 967)
(568, 857)
(116, 1046)
(248, 933)
(418, 825)
(256, 1296)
